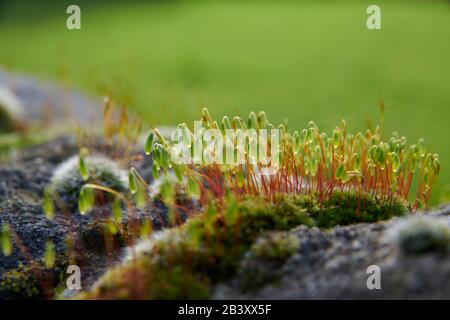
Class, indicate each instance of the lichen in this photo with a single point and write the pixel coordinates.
(421, 235)
(67, 181)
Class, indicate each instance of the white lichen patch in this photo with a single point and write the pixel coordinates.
(420, 235)
(145, 247)
(101, 169)
(155, 188)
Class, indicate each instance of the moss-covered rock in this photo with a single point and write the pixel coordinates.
(31, 281)
(205, 250)
(209, 247)
(262, 263)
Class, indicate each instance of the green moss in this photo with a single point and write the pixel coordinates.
(225, 242)
(263, 262)
(185, 262)
(19, 283)
(347, 210)
(275, 246)
(206, 249)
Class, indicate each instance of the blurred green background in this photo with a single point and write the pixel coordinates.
(298, 60)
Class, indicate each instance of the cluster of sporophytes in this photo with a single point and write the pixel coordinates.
(96, 176)
(307, 161)
(343, 170)
(318, 180)
(333, 169)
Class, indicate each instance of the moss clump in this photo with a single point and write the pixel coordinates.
(263, 262)
(423, 235)
(209, 247)
(32, 281)
(185, 262)
(303, 162)
(67, 180)
(348, 209)
(275, 246)
(19, 284)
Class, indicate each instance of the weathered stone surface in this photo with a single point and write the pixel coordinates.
(332, 265)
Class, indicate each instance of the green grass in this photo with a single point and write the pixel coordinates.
(302, 61)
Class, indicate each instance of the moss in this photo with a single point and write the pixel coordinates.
(275, 246)
(32, 281)
(226, 242)
(67, 181)
(10, 111)
(7, 123)
(423, 236)
(185, 262)
(344, 211)
(19, 283)
(262, 263)
(208, 248)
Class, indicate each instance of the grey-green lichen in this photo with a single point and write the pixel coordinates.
(67, 181)
(422, 235)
